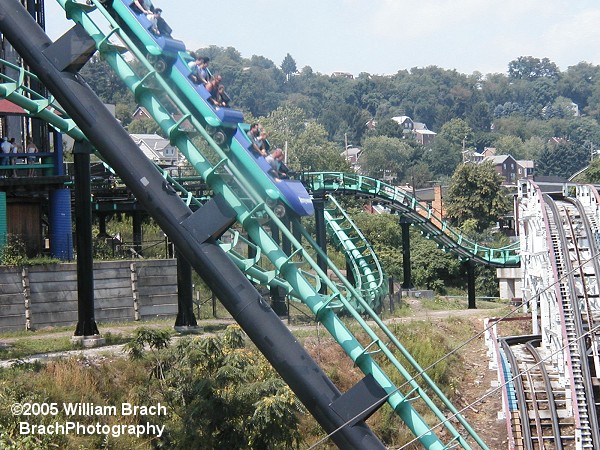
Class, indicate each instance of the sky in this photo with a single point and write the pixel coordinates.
(384, 36)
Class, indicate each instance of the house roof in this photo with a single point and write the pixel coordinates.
(8, 107)
(425, 132)
(142, 110)
(526, 163)
(155, 147)
(352, 151)
(497, 159)
(401, 119)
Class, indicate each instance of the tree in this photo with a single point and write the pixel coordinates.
(311, 151)
(105, 82)
(533, 148)
(510, 145)
(433, 268)
(457, 133)
(284, 124)
(480, 117)
(384, 157)
(288, 66)
(528, 67)
(385, 235)
(143, 126)
(577, 83)
(389, 128)
(476, 194)
(563, 159)
(309, 148)
(592, 175)
(441, 157)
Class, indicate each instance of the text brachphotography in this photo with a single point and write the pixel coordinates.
(78, 428)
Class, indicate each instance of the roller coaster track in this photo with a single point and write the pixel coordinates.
(567, 233)
(220, 173)
(423, 217)
(362, 261)
(561, 282)
(542, 420)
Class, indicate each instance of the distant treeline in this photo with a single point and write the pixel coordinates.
(533, 111)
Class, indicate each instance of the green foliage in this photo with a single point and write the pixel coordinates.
(13, 253)
(457, 133)
(476, 193)
(288, 65)
(143, 126)
(155, 340)
(510, 145)
(307, 143)
(592, 175)
(383, 232)
(389, 128)
(222, 394)
(385, 158)
(528, 67)
(562, 159)
(432, 268)
(105, 82)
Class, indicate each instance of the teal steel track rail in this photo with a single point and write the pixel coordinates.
(367, 273)
(423, 217)
(36, 105)
(377, 344)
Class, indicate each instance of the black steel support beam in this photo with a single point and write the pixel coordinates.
(185, 293)
(86, 321)
(321, 235)
(471, 284)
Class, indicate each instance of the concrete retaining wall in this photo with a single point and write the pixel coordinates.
(34, 297)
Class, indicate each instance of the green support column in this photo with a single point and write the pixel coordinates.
(3, 220)
(406, 269)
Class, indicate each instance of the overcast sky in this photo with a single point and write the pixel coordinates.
(384, 36)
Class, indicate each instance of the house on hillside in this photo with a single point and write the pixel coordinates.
(405, 122)
(351, 154)
(157, 149)
(525, 168)
(141, 113)
(342, 75)
(417, 129)
(505, 166)
(422, 134)
(489, 151)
